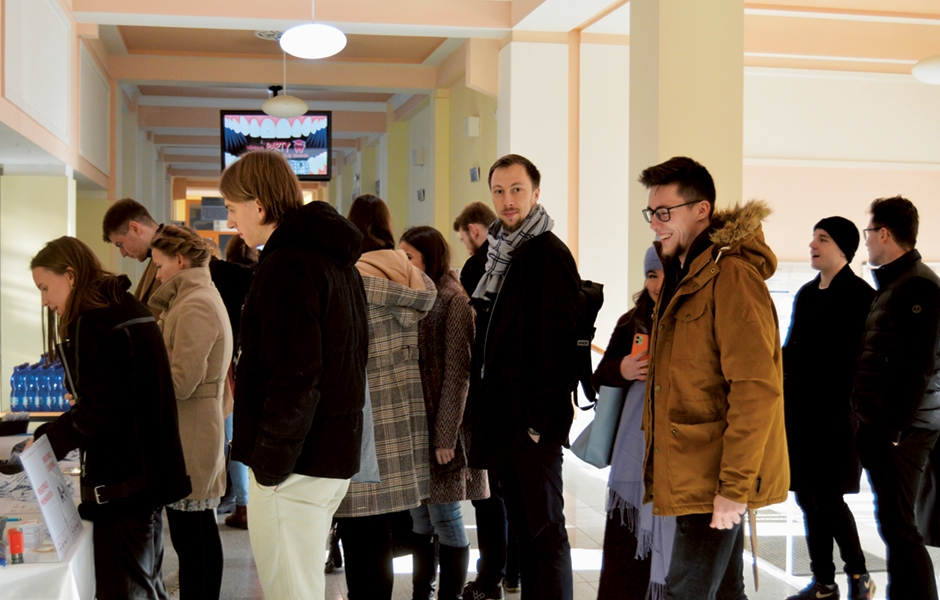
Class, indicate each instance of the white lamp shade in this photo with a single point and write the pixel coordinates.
(928, 70)
(313, 40)
(284, 106)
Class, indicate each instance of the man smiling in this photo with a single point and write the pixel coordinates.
(714, 418)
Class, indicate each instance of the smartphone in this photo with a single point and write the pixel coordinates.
(641, 344)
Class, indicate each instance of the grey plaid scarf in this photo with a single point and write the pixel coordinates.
(502, 243)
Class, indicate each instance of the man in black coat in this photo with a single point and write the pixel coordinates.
(499, 552)
(527, 319)
(897, 390)
(472, 225)
(819, 362)
(301, 371)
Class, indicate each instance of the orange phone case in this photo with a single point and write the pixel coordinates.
(641, 344)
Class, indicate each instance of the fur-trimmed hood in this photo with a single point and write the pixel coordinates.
(738, 230)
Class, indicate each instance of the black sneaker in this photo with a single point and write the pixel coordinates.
(476, 591)
(861, 587)
(511, 586)
(817, 591)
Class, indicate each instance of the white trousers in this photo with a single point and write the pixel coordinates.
(288, 528)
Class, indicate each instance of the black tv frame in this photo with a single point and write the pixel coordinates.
(310, 113)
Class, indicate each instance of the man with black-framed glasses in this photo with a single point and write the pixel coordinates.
(897, 390)
(715, 439)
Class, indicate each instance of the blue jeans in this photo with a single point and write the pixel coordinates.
(443, 519)
(707, 564)
(238, 471)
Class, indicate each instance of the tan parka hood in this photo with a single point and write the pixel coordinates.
(740, 232)
(714, 412)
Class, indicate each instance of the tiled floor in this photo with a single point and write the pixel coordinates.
(585, 493)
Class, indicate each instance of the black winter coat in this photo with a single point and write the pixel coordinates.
(300, 378)
(819, 361)
(124, 421)
(233, 281)
(473, 269)
(897, 384)
(526, 360)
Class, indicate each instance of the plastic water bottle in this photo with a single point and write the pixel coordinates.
(45, 392)
(33, 402)
(18, 388)
(56, 389)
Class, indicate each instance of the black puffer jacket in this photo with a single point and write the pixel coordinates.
(300, 378)
(897, 384)
(819, 361)
(525, 352)
(125, 421)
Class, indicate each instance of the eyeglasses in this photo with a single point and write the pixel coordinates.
(662, 213)
(865, 231)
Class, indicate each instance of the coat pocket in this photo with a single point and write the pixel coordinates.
(695, 452)
(691, 328)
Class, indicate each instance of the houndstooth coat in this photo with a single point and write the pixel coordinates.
(401, 428)
(445, 338)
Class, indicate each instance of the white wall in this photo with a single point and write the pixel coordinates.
(605, 129)
(38, 62)
(94, 127)
(799, 114)
(532, 118)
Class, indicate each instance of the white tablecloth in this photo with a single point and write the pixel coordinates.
(72, 579)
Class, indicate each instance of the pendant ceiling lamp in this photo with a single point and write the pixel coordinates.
(283, 105)
(928, 70)
(313, 40)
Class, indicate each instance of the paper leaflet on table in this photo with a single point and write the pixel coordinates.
(52, 493)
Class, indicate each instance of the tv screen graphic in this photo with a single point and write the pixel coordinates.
(304, 141)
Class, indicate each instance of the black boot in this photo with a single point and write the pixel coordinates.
(454, 563)
(424, 567)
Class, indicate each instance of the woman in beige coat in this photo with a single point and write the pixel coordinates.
(198, 338)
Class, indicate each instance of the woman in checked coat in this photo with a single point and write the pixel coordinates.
(398, 295)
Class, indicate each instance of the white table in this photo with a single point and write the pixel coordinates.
(71, 579)
(7, 442)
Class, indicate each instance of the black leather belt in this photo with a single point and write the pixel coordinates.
(102, 494)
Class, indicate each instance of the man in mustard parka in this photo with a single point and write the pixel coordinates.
(714, 423)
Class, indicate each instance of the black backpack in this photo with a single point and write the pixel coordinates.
(590, 301)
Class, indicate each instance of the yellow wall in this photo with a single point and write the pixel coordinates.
(466, 153)
(367, 170)
(395, 193)
(89, 214)
(33, 211)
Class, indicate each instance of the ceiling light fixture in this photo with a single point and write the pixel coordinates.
(283, 106)
(928, 70)
(313, 40)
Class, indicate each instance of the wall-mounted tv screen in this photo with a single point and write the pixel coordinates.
(305, 141)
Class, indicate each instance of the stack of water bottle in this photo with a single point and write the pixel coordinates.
(38, 387)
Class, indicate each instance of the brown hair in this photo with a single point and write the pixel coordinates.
(433, 248)
(173, 239)
(899, 216)
(370, 214)
(515, 159)
(94, 287)
(265, 176)
(475, 212)
(119, 215)
(240, 253)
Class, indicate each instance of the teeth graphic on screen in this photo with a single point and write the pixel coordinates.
(302, 140)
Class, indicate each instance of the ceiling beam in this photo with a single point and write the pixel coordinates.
(144, 69)
(159, 117)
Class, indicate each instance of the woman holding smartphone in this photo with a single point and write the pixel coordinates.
(123, 417)
(632, 530)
